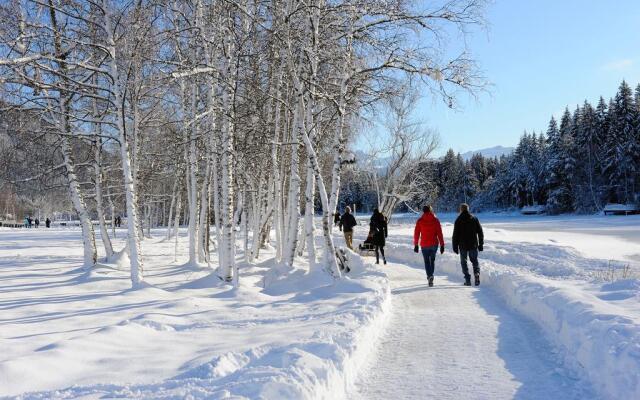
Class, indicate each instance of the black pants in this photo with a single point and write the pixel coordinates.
(381, 249)
(473, 256)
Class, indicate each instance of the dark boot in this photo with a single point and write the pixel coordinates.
(384, 261)
(430, 281)
(467, 280)
(477, 276)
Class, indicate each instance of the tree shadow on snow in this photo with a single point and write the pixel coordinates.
(529, 357)
(425, 287)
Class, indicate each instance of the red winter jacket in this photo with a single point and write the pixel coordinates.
(428, 231)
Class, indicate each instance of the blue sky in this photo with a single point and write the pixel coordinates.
(540, 55)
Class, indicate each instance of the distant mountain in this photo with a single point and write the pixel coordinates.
(364, 159)
(496, 151)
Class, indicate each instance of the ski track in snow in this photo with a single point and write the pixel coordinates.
(456, 342)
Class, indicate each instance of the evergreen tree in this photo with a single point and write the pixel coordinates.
(590, 158)
(470, 182)
(480, 169)
(559, 167)
(622, 150)
(587, 140)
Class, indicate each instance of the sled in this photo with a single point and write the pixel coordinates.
(366, 249)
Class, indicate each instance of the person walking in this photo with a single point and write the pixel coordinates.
(427, 236)
(47, 222)
(26, 222)
(336, 219)
(37, 222)
(347, 222)
(467, 240)
(378, 225)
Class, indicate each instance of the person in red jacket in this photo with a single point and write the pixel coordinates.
(428, 235)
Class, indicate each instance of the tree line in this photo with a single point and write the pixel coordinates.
(588, 159)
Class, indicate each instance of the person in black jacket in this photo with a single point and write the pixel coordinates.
(468, 239)
(347, 222)
(379, 232)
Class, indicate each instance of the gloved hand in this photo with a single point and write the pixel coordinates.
(480, 248)
(455, 250)
(415, 249)
(441, 249)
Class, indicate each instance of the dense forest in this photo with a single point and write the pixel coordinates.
(589, 158)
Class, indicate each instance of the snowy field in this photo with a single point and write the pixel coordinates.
(66, 334)
(557, 316)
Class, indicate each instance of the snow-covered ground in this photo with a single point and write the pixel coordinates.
(552, 319)
(66, 334)
(586, 309)
(456, 342)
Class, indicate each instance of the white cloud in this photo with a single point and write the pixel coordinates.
(618, 65)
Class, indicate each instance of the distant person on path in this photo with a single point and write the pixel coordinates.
(118, 221)
(336, 218)
(379, 233)
(30, 221)
(347, 222)
(468, 239)
(26, 222)
(37, 221)
(427, 236)
(47, 223)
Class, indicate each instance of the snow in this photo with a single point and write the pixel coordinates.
(555, 317)
(69, 334)
(591, 327)
(620, 207)
(456, 342)
(529, 210)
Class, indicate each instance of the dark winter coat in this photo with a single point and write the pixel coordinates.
(378, 226)
(347, 222)
(467, 232)
(336, 218)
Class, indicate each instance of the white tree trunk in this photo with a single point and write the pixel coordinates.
(90, 255)
(133, 239)
(204, 211)
(292, 213)
(174, 191)
(309, 227)
(228, 268)
(329, 250)
(176, 224)
(193, 188)
(113, 216)
(338, 150)
(106, 241)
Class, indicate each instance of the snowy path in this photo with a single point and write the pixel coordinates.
(455, 342)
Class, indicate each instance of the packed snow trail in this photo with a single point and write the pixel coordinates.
(456, 342)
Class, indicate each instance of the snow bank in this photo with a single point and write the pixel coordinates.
(596, 339)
